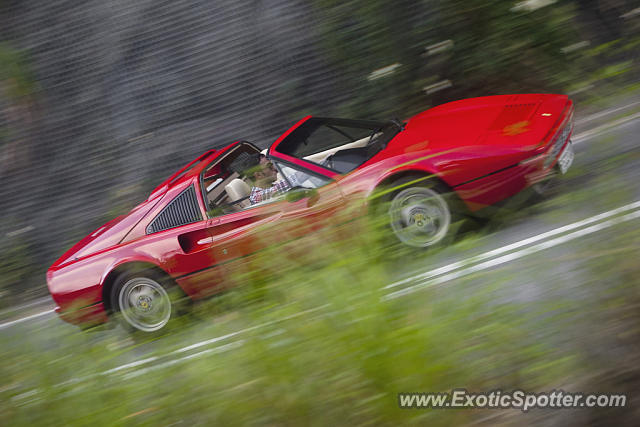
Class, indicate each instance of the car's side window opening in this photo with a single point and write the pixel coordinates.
(243, 178)
(225, 188)
(324, 137)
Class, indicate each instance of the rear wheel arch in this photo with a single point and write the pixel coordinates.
(129, 268)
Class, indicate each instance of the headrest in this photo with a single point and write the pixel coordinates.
(237, 189)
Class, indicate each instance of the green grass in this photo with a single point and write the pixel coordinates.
(319, 343)
(343, 361)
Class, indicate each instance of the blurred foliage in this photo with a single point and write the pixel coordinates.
(104, 97)
(341, 357)
(313, 341)
(611, 313)
(310, 338)
(320, 345)
(495, 50)
(15, 268)
(15, 75)
(498, 50)
(17, 85)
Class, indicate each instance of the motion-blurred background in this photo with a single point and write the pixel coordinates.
(100, 100)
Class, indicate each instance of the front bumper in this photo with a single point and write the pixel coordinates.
(500, 185)
(543, 166)
(504, 183)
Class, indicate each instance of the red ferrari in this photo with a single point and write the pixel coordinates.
(189, 232)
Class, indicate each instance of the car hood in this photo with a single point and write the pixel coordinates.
(483, 134)
(107, 235)
(505, 120)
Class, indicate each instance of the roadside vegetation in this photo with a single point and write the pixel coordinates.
(315, 340)
(476, 48)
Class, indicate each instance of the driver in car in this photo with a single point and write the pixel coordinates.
(264, 178)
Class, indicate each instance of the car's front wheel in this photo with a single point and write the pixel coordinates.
(144, 302)
(419, 214)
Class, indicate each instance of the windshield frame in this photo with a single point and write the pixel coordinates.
(280, 148)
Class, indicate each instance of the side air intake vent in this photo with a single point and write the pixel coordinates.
(180, 211)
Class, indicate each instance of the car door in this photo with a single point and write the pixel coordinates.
(178, 237)
(237, 235)
(274, 224)
(315, 202)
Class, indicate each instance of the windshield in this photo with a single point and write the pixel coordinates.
(338, 144)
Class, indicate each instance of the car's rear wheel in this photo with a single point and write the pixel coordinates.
(144, 301)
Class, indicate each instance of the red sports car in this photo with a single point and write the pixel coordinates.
(194, 226)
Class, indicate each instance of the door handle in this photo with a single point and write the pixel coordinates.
(205, 241)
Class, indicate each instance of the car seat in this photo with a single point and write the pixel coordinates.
(238, 192)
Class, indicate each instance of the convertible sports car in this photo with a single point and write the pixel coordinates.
(197, 224)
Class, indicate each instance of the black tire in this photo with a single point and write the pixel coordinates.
(145, 302)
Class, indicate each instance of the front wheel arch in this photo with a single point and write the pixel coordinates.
(387, 184)
(395, 184)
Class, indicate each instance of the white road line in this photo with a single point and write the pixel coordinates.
(214, 340)
(606, 112)
(465, 263)
(577, 139)
(130, 365)
(152, 359)
(515, 255)
(219, 349)
(232, 334)
(24, 319)
(587, 135)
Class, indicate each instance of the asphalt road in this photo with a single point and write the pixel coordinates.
(604, 176)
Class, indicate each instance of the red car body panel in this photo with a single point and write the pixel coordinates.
(485, 149)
